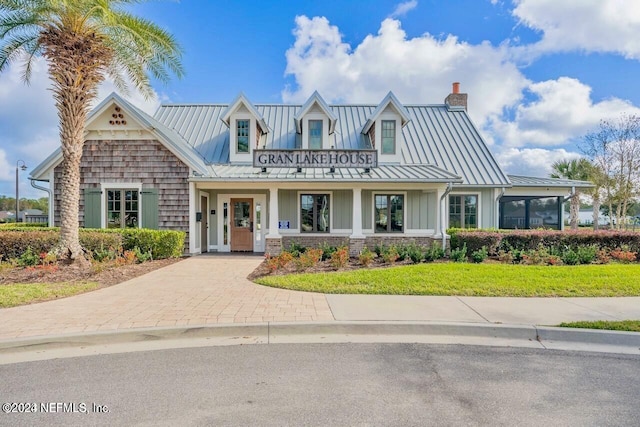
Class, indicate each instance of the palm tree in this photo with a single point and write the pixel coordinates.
(83, 42)
(578, 169)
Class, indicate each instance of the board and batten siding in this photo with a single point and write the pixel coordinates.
(288, 207)
(132, 162)
(342, 209)
(420, 212)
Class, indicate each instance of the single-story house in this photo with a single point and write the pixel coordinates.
(245, 177)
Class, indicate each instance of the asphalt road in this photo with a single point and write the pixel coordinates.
(328, 384)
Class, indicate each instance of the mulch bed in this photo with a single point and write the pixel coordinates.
(322, 267)
(103, 274)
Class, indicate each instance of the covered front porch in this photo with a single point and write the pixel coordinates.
(250, 216)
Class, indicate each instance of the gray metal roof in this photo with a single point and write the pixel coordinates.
(435, 135)
(529, 181)
(384, 173)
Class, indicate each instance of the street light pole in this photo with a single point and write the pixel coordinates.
(24, 168)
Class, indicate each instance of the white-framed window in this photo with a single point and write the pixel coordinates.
(389, 213)
(242, 136)
(315, 213)
(123, 208)
(388, 137)
(463, 211)
(315, 134)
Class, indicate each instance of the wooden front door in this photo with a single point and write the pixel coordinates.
(242, 225)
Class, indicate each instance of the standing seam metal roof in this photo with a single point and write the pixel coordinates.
(436, 135)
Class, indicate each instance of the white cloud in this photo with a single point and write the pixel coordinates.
(586, 25)
(562, 111)
(417, 70)
(532, 161)
(404, 8)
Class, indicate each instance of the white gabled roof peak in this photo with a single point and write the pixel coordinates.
(315, 98)
(392, 100)
(241, 99)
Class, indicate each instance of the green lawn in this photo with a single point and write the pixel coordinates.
(27, 293)
(622, 325)
(472, 280)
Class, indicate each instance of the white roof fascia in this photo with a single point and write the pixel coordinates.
(530, 181)
(389, 99)
(241, 99)
(41, 171)
(315, 98)
(178, 148)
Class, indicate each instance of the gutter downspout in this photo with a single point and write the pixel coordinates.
(443, 230)
(502, 190)
(48, 190)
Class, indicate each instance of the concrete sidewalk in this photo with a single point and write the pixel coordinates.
(210, 290)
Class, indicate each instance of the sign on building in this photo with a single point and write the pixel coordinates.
(315, 158)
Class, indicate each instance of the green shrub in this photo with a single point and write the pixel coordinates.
(14, 243)
(479, 255)
(587, 254)
(434, 252)
(402, 250)
(161, 243)
(105, 254)
(476, 240)
(459, 254)
(142, 256)
(415, 253)
(327, 250)
(570, 257)
(28, 258)
(380, 249)
(94, 240)
(296, 249)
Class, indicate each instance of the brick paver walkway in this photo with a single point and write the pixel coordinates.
(197, 291)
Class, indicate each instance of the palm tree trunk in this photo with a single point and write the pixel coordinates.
(72, 119)
(596, 209)
(574, 209)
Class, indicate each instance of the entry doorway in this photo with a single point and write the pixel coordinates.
(241, 225)
(204, 224)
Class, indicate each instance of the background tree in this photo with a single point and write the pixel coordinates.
(578, 169)
(83, 41)
(615, 150)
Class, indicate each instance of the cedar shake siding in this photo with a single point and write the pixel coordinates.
(135, 161)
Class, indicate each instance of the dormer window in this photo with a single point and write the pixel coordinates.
(246, 129)
(388, 137)
(242, 136)
(315, 134)
(384, 129)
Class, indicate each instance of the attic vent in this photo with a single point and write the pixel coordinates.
(117, 118)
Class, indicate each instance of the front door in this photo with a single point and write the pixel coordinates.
(242, 225)
(204, 224)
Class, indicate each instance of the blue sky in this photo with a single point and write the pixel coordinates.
(540, 74)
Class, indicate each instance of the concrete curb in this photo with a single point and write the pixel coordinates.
(319, 332)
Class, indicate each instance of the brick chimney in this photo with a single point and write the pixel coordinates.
(455, 98)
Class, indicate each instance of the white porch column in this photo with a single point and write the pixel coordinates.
(192, 217)
(356, 222)
(273, 213)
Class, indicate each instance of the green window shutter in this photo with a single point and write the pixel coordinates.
(149, 208)
(92, 208)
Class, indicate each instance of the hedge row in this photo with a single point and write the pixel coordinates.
(161, 243)
(507, 240)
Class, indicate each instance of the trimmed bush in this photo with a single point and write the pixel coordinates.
(475, 241)
(479, 255)
(160, 243)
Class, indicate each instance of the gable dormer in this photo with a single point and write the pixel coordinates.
(246, 128)
(384, 128)
(316, 122)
